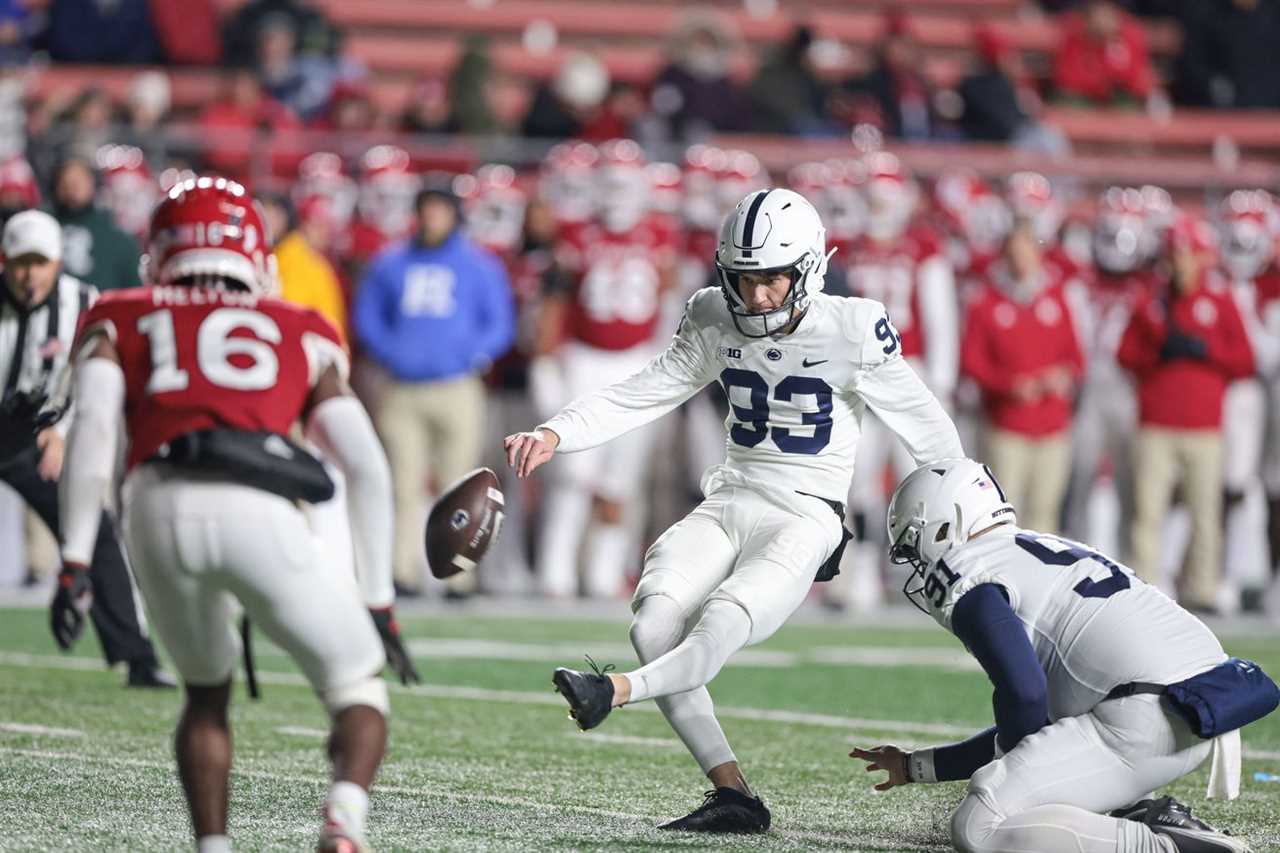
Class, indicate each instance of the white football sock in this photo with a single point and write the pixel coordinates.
(606, 560)
(657, 629)
(347, 805)
(723, 628)
(564, 520)
(213, 844)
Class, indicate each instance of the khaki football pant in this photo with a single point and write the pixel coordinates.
(1033, 473)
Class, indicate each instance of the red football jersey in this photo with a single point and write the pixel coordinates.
(617, 282)
(196, 358)
(888, 273)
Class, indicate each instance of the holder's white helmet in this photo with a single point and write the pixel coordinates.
(937, 507)
(771, 231)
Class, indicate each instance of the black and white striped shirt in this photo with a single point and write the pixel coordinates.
(35, 344)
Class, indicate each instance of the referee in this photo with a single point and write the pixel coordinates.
(40, 308)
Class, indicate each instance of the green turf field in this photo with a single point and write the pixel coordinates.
(483, 758)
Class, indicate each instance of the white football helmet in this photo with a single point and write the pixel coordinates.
(937, 507)
(771, 231)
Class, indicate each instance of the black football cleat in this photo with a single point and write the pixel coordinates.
(589, 694)
(148, 674)
(1172, 819)
(725, 810)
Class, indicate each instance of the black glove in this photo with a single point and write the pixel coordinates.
(70, 604)
(397, 656)
(1179, 344)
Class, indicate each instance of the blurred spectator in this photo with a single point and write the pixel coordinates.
(94, 31)
(87, 125)
(306, 276)
(1228, 55)
(1102, 57)
(94, 249)
(896, 87)
(470, 83)
(351, 109)
(13, 113)
(301, 83)
(146, 113)
(428, 110)
(621, 115)
(434, 312)
(314, 34)
(999, 101)
(16, 22)
(1183, 344)
(786, 94)
(694, 92)
(561, 108)
(188, 31)
(1020, 346)
(231, 126)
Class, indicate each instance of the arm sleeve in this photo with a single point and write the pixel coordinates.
(895, 393)
(993, 633)
(938, 317)
(372, 328)
(89, 468)
(664, 383)
(341, 428)
(498, 325)
(958, 761)
(1229, 347)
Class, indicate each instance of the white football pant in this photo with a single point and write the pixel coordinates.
(729, 574)
(1052, 792)
(613, 472)
(1104, 427)
(1244, 424)
(199, 546)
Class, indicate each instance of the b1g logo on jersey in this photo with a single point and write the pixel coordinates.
(729, 352)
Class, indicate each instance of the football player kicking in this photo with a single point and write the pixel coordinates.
(1105, 690)
(210, 375)
(800, 368)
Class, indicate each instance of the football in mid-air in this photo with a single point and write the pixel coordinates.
(463, 523)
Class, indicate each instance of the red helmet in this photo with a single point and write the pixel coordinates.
(210, 227)
(622, 185)
(972, 211)
(1031, 197)
(1188, 232)
(567, 180)
(1124, 237)
(495, 205)
(1249, 223)
(741, 174)
(891, 195)
(322, 174)
(667, 186)
(388, 187)
(128, 189)
(16, 177)
(701, 176)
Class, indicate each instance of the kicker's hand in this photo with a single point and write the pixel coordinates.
(70, 604)
(888, 758)
(397, 656)
(527, 450)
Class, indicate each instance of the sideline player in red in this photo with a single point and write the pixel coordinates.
(211, 374)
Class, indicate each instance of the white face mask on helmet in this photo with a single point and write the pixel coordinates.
(771, 231)
(937, 507)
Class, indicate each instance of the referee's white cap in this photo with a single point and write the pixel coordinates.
(32, 232)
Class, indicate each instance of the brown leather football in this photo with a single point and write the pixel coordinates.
(463, 522)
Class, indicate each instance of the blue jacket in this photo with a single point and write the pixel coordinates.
(427, 313)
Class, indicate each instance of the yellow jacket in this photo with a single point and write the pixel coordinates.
(307, 278)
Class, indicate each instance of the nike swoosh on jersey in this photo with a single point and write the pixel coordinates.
(807, 363)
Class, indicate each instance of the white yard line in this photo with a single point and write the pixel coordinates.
(301, 731)
(436, 792)
(32, 729)
(626, 740)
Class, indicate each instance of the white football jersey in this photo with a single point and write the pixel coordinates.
(1094, 625)
(796, 401)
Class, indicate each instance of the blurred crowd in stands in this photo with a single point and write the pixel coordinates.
(1114, 357)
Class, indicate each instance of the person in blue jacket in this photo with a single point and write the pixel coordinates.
(433, 312)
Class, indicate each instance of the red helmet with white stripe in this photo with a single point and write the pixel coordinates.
(495, 204)
(702, 167)
(128, 189)
(1249, 224)
(741, 173)
(891, 195)
(1031, 197)
(323, 174)
(567, 180)
(622, 185)
(19, 181)
(388, 187)
(972, 211)
(211, 230)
